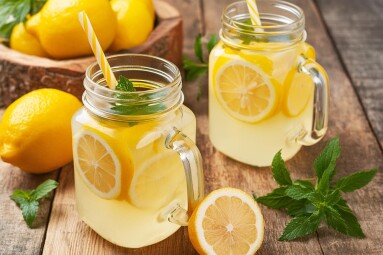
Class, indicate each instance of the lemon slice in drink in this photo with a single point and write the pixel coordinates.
(157, 180)
(97, 164)
(299, 90)
(245, 91)
(227, 221)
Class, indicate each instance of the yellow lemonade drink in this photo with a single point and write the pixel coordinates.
(266, 93)
(128, 177)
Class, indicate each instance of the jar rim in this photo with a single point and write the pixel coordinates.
(275, 3)
(89, 76)
(159, 81)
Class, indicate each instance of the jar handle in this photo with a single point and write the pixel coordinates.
(192, 162)
(320, 112)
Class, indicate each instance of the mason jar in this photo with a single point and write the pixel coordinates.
(266, 91)
(138, 173)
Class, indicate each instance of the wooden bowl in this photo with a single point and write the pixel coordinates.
(21, 73)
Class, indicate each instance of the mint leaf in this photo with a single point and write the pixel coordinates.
(43, 189)
(315, 198)
(355, 181)
(327, 159)
(276, 199)
(124, 84)
(36, 6)
(324, 183)
(352, 226)
(333, 198)
(212, 42)
(194, 70)
(20, 196)
(197, 69)
(304, 184)
(279, 170)
(29, 210)
(334, 219)
(301, 225)
(28, 200)
(297, 192)
(300, 207)
(198, 48)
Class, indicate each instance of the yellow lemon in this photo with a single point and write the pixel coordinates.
(59, 30)
(227, 221)
(25, 42)
(135, 21)
(35, 131)
(245, 91)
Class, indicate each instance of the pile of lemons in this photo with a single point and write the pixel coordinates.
(55, 31)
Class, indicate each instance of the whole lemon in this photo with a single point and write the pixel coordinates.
(135, 21)
(25, 42)
(35, 131)
(59, 30)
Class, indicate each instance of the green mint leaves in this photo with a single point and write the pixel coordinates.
(128, 103)
(28, 200)
(197, 69)
(124, 84)
(311, 204)
(12, 12)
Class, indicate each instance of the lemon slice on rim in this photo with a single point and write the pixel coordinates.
(299, 91)
(245, 91)
(227, 221)
(97, 164)
(157, 180)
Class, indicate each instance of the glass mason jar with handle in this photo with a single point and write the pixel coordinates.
(138, 173)
(266, 92)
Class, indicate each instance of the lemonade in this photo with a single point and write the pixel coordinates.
(152, 181)
(129, 177)
(262, 83)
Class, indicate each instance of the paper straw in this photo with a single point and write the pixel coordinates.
(254, 14)
(97, 50)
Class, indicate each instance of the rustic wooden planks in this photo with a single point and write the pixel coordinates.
(356, 27)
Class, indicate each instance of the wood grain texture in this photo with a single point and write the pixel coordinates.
(21, 73)
(356, 27)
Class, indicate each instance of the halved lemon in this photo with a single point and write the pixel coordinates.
(157, 180)
(245, 91)
(97, 164)
(227, 221)
(299, 89)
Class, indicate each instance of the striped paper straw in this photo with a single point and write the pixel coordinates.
(254, 14)
(97, 50)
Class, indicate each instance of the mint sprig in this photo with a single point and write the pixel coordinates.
(195, 69)
(12, 12)
(28, 200)
(127, 106)
(124, 84)
(311, 203)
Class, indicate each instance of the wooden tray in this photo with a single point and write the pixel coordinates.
(21, 73)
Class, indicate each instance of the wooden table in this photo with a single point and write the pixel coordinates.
(348, 37)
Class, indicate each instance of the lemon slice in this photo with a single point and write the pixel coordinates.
(244, 91)
(157, 180)
(300, 89)
(97, 164)
(227, 221)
